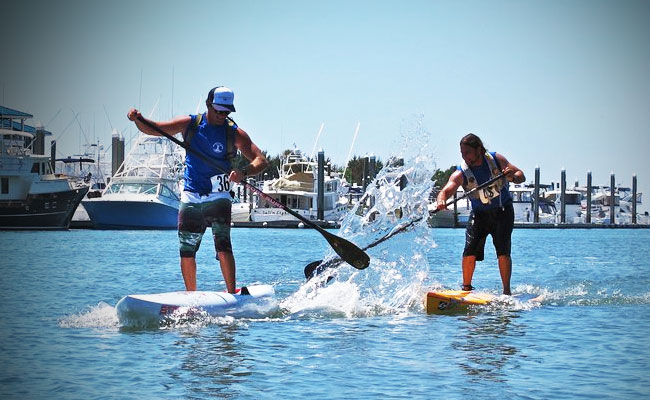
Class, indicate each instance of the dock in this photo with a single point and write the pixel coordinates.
(285, 224)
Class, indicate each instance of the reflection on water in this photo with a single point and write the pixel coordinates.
(212, 362)
(486, 347)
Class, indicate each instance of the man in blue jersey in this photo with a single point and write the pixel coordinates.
(492, 211)
(205, 200)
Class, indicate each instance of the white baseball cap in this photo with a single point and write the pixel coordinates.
(222, 98)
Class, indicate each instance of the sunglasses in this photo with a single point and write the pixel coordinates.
(219, 112)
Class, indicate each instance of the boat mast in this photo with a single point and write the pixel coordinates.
(354, 139)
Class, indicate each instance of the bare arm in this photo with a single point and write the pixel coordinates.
(252, 153)
(171, 127)
(512, 173)
(455, 181)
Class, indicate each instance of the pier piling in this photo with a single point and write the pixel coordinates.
(536, 196)
(563, 196)
(612, 199)
(588, 217)
(634, 199)
(320, 210)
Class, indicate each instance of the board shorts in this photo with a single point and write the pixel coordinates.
(497, 222)
(194, 218)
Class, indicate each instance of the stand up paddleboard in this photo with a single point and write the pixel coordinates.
(153, 308)
(449, 301)
(457, 301)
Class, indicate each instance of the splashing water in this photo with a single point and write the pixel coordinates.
(393, 282)
(103, 315)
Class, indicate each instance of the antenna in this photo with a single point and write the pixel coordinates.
(109, 118)
(172, 91)
(313, 150)
(140, 98)
(354, 139)
(80, 127)
(66, 128)
(52, 119)
(154, 108)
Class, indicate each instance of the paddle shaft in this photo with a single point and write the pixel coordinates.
(222, 170)
(359, 259)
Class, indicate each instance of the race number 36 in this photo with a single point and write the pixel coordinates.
(220, 183)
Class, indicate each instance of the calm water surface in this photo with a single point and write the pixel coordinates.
(60, 339)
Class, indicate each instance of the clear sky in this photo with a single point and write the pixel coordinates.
(547, 83)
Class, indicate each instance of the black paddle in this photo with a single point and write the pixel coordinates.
(316, 267)
(346, 250)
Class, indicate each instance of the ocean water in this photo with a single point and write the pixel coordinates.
(364, 335)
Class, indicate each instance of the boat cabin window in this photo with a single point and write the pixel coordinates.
(35, 168)
(547, 208)
(572, 198)
(143, 188)
(168, 193)
(521, 197)
(5, 185)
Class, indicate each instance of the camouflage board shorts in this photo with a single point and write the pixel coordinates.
(194, 218)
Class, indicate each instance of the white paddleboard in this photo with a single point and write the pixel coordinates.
(152, 308)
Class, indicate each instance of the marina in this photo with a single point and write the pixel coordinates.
(312, 200)
(143, 190)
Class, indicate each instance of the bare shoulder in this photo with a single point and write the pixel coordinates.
(502, 159)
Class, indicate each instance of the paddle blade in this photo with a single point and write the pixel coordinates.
(348, 251)
(311, 269)
(316, 268)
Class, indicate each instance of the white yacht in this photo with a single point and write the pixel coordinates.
(445, 218)
(522, 202)
(296, 188)
(601, 206)
(145, 192)
(31, 195)
(572, 204)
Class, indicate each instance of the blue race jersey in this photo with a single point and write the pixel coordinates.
(211, 141)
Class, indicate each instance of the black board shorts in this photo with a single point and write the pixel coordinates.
(497, 222)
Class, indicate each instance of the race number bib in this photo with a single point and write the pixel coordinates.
(488, 193)
(220, 183)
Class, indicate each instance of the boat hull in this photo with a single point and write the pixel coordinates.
(41, 211)
(127, 214)
(277, 214)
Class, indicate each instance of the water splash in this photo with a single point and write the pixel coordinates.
(394, 281)
(103, 315)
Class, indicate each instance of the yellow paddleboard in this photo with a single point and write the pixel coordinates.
(450, 301)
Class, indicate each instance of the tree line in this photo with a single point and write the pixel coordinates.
(354, 172)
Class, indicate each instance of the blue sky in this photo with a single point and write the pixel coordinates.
(554, 84)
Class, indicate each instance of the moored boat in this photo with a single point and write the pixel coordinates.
(145, 192)
(31, 195)
(296, 188)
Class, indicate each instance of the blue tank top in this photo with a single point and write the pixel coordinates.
(482, 174)
(210, 140)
